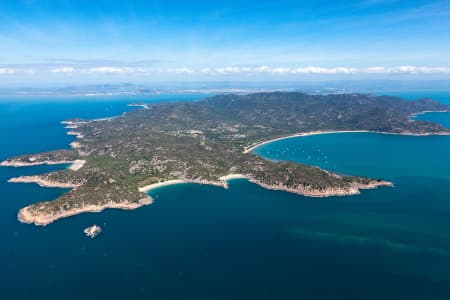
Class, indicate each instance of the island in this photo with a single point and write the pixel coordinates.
(115, 162)
(93, 231)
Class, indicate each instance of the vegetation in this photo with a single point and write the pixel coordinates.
(205, 140)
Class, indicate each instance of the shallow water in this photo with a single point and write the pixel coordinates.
(203, 242)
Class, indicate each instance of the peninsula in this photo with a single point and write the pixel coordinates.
(116, 161)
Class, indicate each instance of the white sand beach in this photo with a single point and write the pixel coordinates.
(233, 176)
(407, 133)
(147, 188)
(144, 106)
(253, 147)
(222, 182)
(77, 164)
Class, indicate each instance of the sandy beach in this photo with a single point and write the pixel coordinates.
(107, 118)
(222, 182)
(147, 188)
(253, 147)
(233, 176)
(77, 164)
(75, 133)
(144, 106)
(74, 145)
(427, 111)
(74, 123)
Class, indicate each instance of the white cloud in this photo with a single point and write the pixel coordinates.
(100, 70)
(408, 70)
(114, 70)
(7, 71)
(281, 71)
(313, 70)
(29, 71)
(206, 71)
(376, 70)
(63, 70)
(181, 71)
(231, 70)
(277, 70)
(263, 70)
(16, 71)
(325, 71)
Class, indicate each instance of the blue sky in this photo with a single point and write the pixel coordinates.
(143, 41)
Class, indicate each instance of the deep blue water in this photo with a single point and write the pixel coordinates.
(202, 242)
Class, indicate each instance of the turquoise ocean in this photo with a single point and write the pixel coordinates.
(204, 242)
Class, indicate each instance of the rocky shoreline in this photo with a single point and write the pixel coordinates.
(31, 215)
(354, 189)
(93, 231)
(15, 163)
(42, 182)
(28, 216)
(75, 165)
